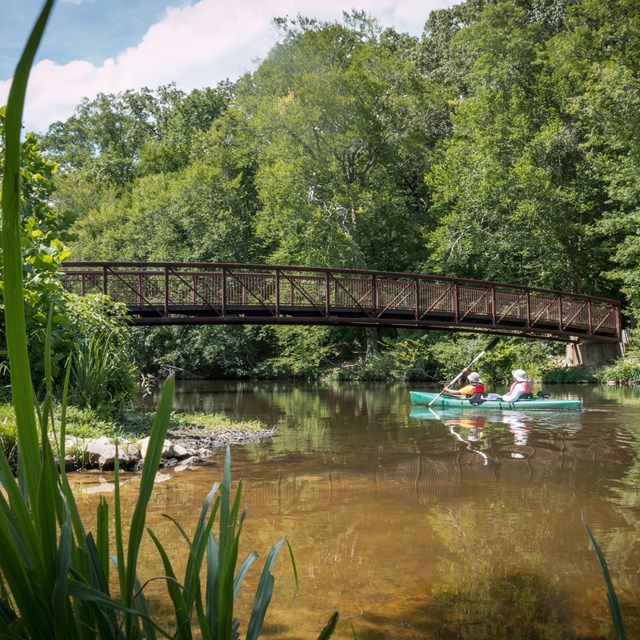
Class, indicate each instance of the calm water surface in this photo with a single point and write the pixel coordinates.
(416, 525)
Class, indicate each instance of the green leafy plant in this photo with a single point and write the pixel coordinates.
(100, 378)
(223, 576)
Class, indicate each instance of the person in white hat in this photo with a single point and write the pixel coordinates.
(520, 386)
(475, 386)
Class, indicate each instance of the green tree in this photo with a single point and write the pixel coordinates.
(46, 233)
(597, 66)
(346, 123)
(515, 197)
(113, 141)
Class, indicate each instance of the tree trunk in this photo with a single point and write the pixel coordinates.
(372, 343)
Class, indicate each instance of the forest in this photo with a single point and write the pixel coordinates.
(502, 144)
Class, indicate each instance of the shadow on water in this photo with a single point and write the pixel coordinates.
(513, 606)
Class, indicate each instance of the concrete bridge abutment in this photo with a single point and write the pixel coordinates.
(593, 353)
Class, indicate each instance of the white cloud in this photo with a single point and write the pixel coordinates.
(195, 45)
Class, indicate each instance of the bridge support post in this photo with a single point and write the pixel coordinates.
(591, 353)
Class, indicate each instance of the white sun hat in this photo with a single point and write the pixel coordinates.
(520, 375)
(473, 377)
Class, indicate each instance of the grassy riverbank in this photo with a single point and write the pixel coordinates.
(134, 425)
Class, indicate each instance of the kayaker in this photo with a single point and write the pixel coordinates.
(475, 386)
(520, 388)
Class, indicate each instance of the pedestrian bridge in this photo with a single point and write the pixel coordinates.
(161, 293)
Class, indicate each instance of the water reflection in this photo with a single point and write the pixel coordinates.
(431, 526)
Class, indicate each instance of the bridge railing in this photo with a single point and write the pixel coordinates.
(173, 292)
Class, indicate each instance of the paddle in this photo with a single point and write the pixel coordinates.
(490, 346)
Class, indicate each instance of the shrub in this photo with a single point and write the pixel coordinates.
(377, 367)
(8, 435)
(102, 379)
(624, 371)
(102, 376)
(565, 375)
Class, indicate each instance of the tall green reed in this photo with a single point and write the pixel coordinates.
(612, 598)
(55, 579)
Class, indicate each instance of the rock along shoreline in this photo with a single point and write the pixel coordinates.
(184, 448)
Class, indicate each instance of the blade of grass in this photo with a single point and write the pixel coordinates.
(149, 470)
(237, 583)
(78, 527)
(99, 579)
(263, 594)
(180, 608)
(213, 579)
(330, 627)
(614, 606)
(60, 602)
(102, 539)
(118, 534)
(201, 535)
(16, 333)
(293, 563)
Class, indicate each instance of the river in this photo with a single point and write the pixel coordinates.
(455, 526)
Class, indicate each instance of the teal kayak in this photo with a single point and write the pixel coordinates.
(538, 404)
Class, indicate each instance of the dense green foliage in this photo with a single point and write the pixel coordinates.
(626, 370)
(91, 329)
(46, 235)
(503, 144)
(102, 375)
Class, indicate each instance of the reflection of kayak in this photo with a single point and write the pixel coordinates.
(537, 404)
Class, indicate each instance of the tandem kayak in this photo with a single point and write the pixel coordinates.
(536, 404)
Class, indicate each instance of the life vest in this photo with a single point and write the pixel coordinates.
(527, 387)
(479, 388)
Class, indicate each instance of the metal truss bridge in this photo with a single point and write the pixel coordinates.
(166, 293)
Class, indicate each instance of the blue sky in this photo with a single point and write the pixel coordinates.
(92, 30)
(109, 46)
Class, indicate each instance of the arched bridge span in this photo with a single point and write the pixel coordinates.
(158, 293)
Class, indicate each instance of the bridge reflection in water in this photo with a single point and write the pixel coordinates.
(203, 293)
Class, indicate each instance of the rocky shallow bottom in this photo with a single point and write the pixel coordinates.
(184, 448)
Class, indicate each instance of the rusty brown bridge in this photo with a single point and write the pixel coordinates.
(160, 293)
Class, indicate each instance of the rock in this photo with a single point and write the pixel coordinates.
(99, 453)
(167, 448)
(186, 444)
(180, 452)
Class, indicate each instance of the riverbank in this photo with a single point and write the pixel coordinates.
(90, 441)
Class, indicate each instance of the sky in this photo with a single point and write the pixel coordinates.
(109, 46)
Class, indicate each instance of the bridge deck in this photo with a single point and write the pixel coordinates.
(201, 293)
